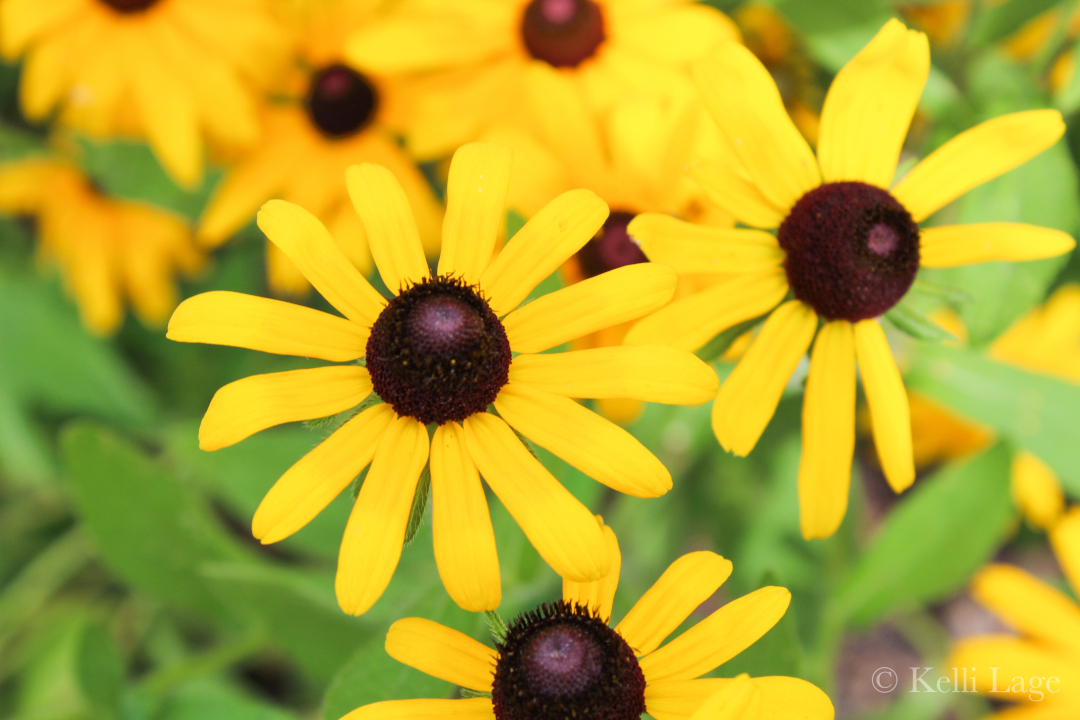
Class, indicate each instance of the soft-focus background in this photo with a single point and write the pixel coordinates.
(130, 586)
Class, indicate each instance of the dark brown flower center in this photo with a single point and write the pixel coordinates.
(560, 662)
(341, 101)
(852, 250)
(611, 247)
(130, 6)
(562, 33)
(437, 352)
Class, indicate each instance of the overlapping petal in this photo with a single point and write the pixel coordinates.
(598, 595)
(691, 249)
(442, 652)
(475, 203)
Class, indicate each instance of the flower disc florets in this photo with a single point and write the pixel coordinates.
(852, 250)
(341, 101)
(130, 6)
(562, 33)
(437, 352)
(611, 248)
(561, 662)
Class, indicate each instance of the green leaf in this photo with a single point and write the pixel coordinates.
(996, 22)
(1067, 99)
(216, 700)
(912, 322)
(777, 652)
(514, 222)
(836, 30)
(938, 535)
(1038, 412)
(419, 505)
(716, 347)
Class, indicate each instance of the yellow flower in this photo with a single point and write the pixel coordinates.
(1040, 668)
(172, 71)
(848, 249)
(329, 118)
(108, 250)
(437, 354)
(565, 657)
(484, 62)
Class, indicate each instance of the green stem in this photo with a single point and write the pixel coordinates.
(161, 681)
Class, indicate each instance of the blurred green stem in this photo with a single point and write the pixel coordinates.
(162, 680)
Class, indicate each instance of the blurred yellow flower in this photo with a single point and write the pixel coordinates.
(109, 251)
(485, 63)
(176, 72)
(329, 116)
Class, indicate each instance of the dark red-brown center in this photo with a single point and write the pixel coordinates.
(852, 250)
(561, 662)
(437, 352)
(341, 101)
(611, 247)
(562, 33)
(129, 6)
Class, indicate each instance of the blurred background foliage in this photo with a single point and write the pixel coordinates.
(130, 587)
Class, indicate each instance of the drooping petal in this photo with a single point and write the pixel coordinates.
(389, 225)
(694, 249)
(375, 532)
(996, 661)
(653, 373)
(221, 317)
(301, 236)
(1036, 490)
(557, 231)
(730, 187)
(952, 245)
(1065, 539)
(690, 322)
(744, 101)
(463, 709)
(463, 537)
(1028, 605)
(748, 398)
(317, 478)
(442, 652)
(782, 698)
(561, 529)
(888, 402)
(598, 595)
(974, 156)
(828, 431)
(475, 202)
(590, 305)
(717, 638)
(869, 107)
(687, 582)
(595, 446)
(739, 699)
(245, 407)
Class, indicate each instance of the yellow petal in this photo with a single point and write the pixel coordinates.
(464, 709)
(739, 699)
(701, 249)
(1014, 658)
(475, 202)
(590, 305)
(561, 529)
(675, 34)
(23, 20)
(320, 476)
(410, 42)
(1028, 605)
(828, 431)
(595, 446)
(654, 373)
(782, 698)
(954, 245)
(974, 156)
(730, 187)
(744, 101)
(598, 595)
(461, 525)
(887, 399)
(688, 582)
(718, 638)
(1036, 490)
(376, 530)
(388, 222)
(690, 322)
(301, 236)
(442, 652)
(1065, 539)
(557, 231)
(749, 396)
(245, 407)
(228, 318)
(869, 107)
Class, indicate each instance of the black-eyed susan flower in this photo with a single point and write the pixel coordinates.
(848, 247)
(327, 117)
(1037, 669)
(482, 60)
(438, 354)
(108, 251)
(176, 72)
(564, 659)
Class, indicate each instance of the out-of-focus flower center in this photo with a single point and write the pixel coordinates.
(852, 250)
(562, 33)
(611, 247)
(437, 352)
(341, 101)
(560, 661)
(129, 6)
